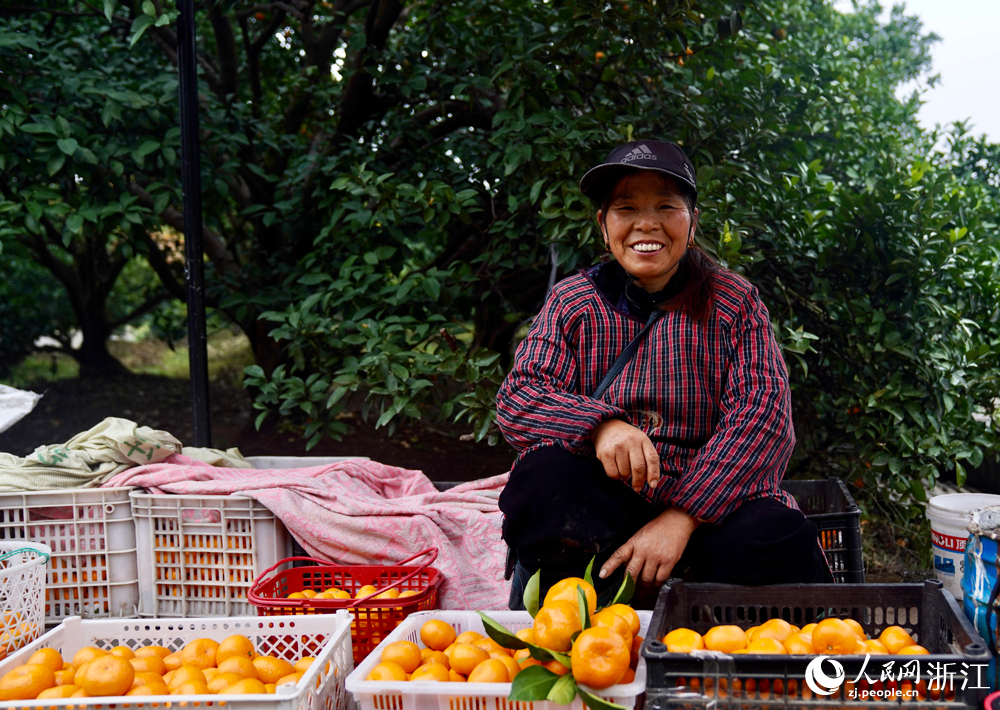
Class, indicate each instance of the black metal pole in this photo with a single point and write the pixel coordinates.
(194, 264)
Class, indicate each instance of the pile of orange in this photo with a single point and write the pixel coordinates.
(602, 655)
(366, 590)
(202, 667)
(829, 637)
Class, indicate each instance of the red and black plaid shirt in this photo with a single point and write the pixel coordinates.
(713, 398)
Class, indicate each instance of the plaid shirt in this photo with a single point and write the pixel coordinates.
(713, 399)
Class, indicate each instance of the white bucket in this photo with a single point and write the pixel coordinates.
(950, 516)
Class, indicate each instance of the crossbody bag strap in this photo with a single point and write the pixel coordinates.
(618, 365)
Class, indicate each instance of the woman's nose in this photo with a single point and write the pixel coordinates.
(645, 220)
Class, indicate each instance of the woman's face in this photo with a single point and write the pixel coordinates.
(648, 227)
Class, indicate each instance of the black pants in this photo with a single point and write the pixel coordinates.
(562, 509)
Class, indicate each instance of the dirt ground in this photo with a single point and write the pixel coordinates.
(74, 405)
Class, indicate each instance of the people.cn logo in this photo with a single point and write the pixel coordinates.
(818, 681)
(639, 152)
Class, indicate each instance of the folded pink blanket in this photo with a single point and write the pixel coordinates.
(363, 512)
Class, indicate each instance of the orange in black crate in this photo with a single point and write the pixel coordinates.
(388, 594)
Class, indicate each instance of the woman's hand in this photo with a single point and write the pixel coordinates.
(626, 451)
(650, 554)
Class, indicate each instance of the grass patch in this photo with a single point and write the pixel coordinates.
(42, 367)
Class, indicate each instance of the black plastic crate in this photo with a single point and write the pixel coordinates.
(830, 506)
(931, 615)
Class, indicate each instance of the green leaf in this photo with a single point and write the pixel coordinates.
(501, 635)
(55, 163)
(563, 691)
(592, 701)
(74, 223)
(531, 593)
(625, 591)
(588, 576)
(540, 653)
(139, 26)
(67, 145)
(532, 684)
(148, 8)
(109, 9)
(583, 607)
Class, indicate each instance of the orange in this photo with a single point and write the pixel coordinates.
(913, 650)
(296, 595)
(834, 636)
(777, 629)
(405, 653)
(683, 641)
(876, 647)
(725, 639)
(630, 616)
(512, 666)
(457, 677)
(47, 657)
(174, 661)
(565, 590)
(895, 638)
(491, 646)
(554, 666)
(148, 664)
(528, 662)
(81, 693)
(269, 688)
(752, 633)
(236, 645)
(614, 621)
(26, 682)
(160, 651)
(150, 689)
(200, 653)
(388, 594)
(633, 660)
(808, 628)
(169, 676)
(65, 677)
(123, 652)
(223, 681)
(600, 657)
(492, 670)
(527, 635)
(247, 686)
(145, 678)
(184, 674)
(243, 667)
(434, 657)
(302, 665)
(437, 634)
(766, 644)
(269, 668)
(468, 637)
(432, 671)
(798, 644)
(365, 591)
(465, 657)
(521, 654)
(57, 692)
(87, 653)
(858, 629)
(629, 677)
(308, 594)
(555, 625)
(292, 678)
(106, 676)
(192, 687)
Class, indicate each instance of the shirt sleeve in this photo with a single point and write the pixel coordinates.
(747, 455)
(539, 400)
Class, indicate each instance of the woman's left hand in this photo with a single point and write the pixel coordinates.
(650, 554)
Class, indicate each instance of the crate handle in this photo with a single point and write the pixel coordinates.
(432, 551)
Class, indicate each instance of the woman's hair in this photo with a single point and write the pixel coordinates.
(697, 297)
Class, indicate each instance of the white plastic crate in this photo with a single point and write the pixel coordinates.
(326, 637)
(198, 555)
(22, 593)
(92, 572)
(430, 695)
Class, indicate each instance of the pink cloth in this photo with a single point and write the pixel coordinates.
(363, 512)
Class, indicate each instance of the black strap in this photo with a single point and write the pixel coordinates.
(618, 365)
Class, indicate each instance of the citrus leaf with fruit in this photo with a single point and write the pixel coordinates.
(625, 591)
(540, 653)
(563, 691)
(584, 607)
(588, 576)
(533, 683)
(597, 703)
(500, 634)
(530, 596)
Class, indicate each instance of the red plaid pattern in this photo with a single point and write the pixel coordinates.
(713, 398)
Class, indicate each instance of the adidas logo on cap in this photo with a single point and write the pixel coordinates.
(640, 152)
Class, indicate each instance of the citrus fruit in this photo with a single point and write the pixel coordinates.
(269, 688)
(614, 621)
(308, 594)
(57, 692)
(555, 625)
(798, 645)
(405, 653)
(858, 629)
(808, 628)
(174, 661)
(600, 657)
(192, 687)
(512, 666)
(633, 660)
(456, 677)
(876, 647)
(145, 677)
(777, 629)
(767, 645)
(556, 667)
(388, 594)
(223, 681)
(630, 616)
(269, 668)
(87, 653)
(184, 674)
(912, 650)
(437, 634)
(683, 641)
(247, 686)
(47, 657)
(160, 651)
(468, 637)
(492, 670)
(200, 653)
(148, 664)
(150, 689)
(725, 639)
(490, 646)
(434, 657)
(365, 591)
(833, 636)
(895, 638)
(243, 667)
(236, 645)
(123, 652)
(566, 590)
(65, 677)
(302, 665)
(106, 676)
(527, 635)
(292, 678)
(26, 682)
(432, 671)
(465, 657)
(628, 677)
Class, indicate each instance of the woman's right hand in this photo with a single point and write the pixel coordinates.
(625, 451)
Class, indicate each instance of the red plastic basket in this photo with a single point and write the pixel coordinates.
(373, 618)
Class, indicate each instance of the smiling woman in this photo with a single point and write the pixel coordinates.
(697, 425)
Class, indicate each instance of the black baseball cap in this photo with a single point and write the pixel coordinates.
(661, 156)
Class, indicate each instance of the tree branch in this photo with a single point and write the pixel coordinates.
(158, 262)
(150, 303)
(225, 48)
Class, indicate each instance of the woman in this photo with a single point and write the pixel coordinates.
(676, 467)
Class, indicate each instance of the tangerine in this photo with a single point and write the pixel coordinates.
(292, 678)
(184, 674)
(405, 653)
(269, 668)
(554, 666)
(858, 629)
(555, 625)
(833, 636)
(912, 650)
(106, 676)
(614, 621)
(798, 645)
(465, 657)
(527, 635)
(87, 653)
(630, 616)
(47, 657)
(513, 668)
(65, 677)
(150, 689)
(895, 638)
(456, 677)
(148, 664)
(683, 641)
(123, 652)
(302, 665)
(725, 639)
(766, 645)
(434, 657)
(876, 647)
(243, 667)
(174, 661)
(247, 686)
(366, 590)
(26, 682)
(432, 671)
(492, 670)
(223, 681)
(200, 653)
(566, 590)
(57, 692)
(437, 634)
(633, 660)
(491, 646)
(192, 687)
(777, 629)
(144, 651)
(468, 637)
(145, 678)
(599, 657)
(235, 645)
